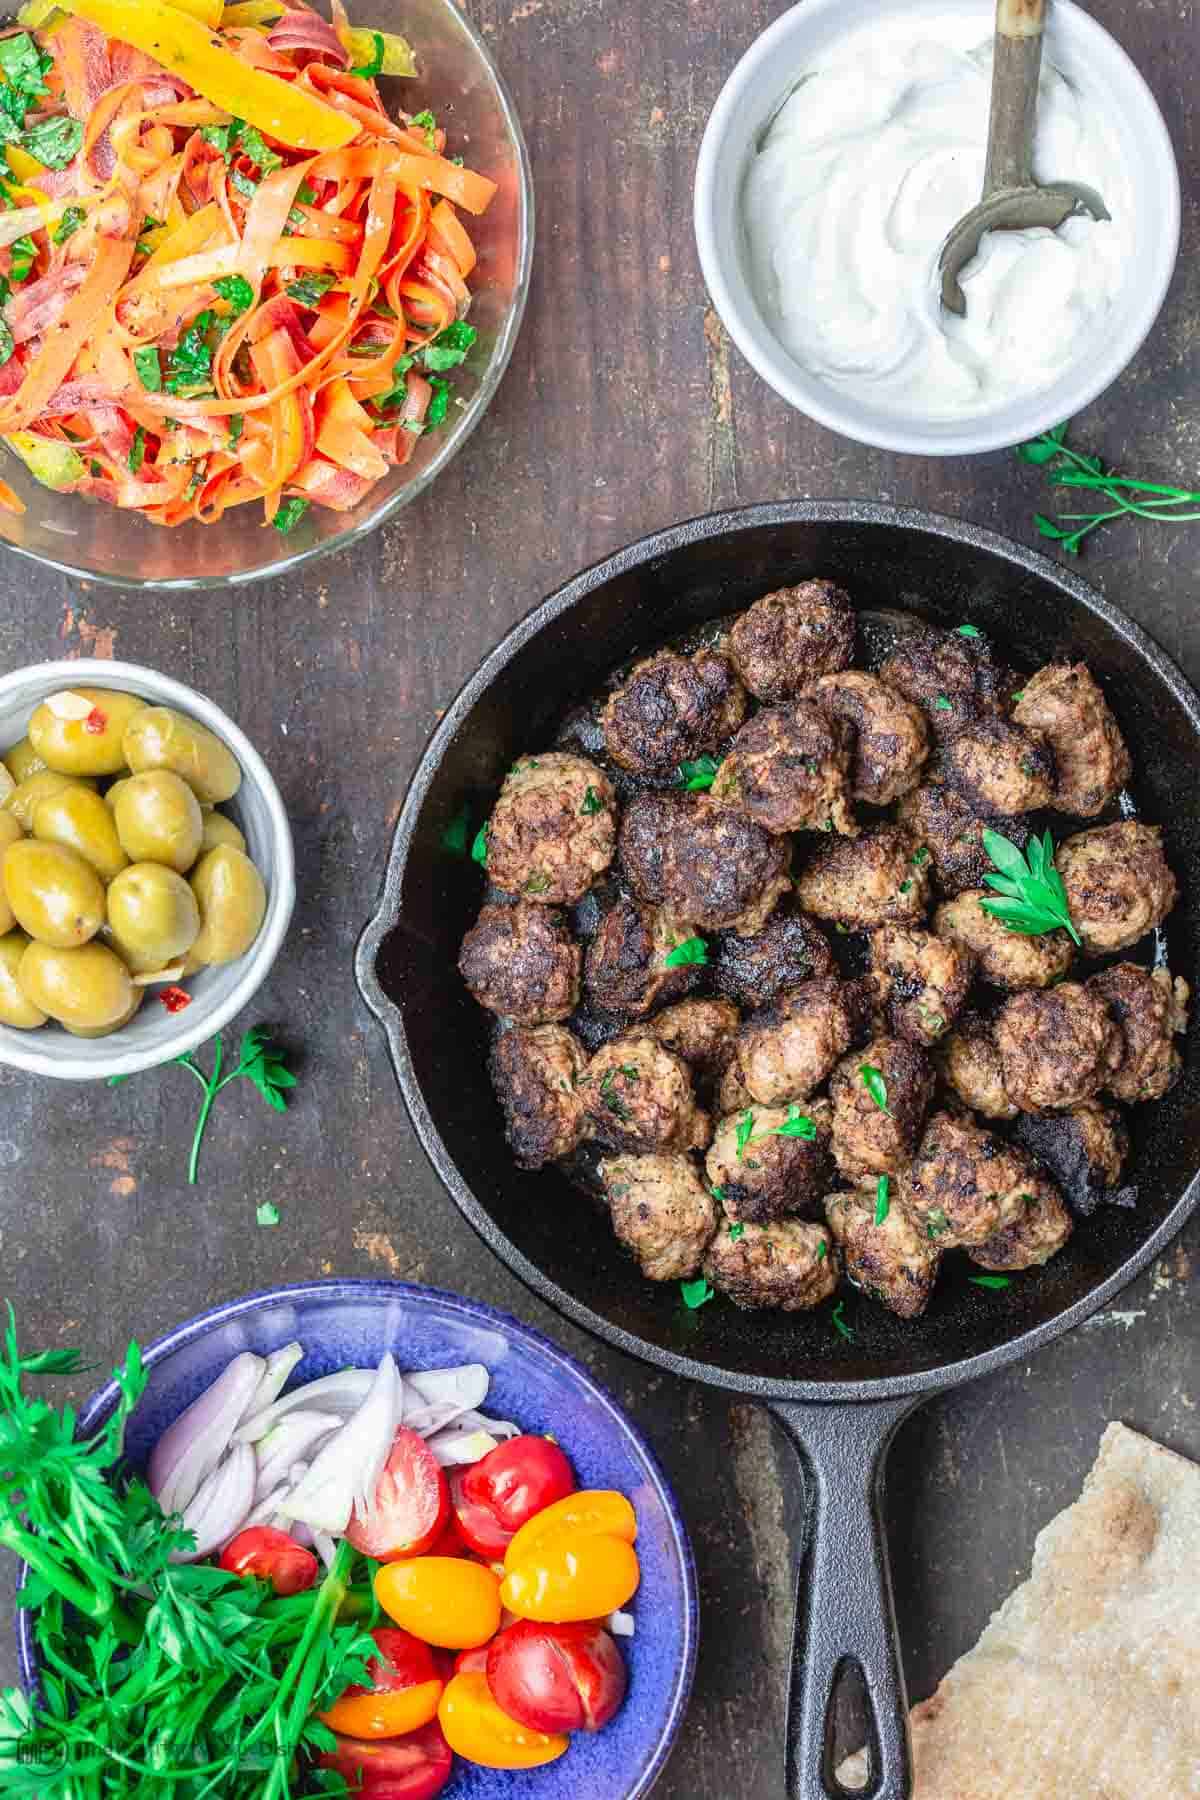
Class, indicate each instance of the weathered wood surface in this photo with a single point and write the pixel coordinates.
(625, 409)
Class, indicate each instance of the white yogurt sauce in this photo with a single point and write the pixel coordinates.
(875, 155)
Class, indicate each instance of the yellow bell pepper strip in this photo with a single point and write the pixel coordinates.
(253, 12)
(207, 11)
(284, 110)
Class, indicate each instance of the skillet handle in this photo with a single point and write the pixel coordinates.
(844, 1608)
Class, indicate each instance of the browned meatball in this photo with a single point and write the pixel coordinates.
(1008, 959)
(788, 1264)
(867, 881)
(522, 962)
(535, 1075)
(1037, 1233)
(999, 768)
(922, 981)
(771, 1161)
(870, 1138)
(1084, 1150)
(970, 1062)
(702, 862)
(965, 1184)
(891, 742)
(755, 970)
(1057, 1047)
(789, 770)
(626, 970)
(954, 679)
(553, 829)
(638, 1096)
(671, 708)
(1118, 884)
(788, 638)
(894, 1261)
(1091, 763)
(703, 1032)
(947, 829)
(1150, 1007)
(733, 1096)
(787, 1050)
(662, 1211)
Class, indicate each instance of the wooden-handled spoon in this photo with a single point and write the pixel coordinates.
(1012, 200)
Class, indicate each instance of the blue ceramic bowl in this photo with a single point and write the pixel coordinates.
(355, 1322)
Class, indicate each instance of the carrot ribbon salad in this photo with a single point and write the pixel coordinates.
(226, 274)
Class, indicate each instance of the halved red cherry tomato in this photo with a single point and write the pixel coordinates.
(472, 1662)
(273, 1556)
(452, 1542)
(518, 1479)
(412, 1503)
(403, 1695)
(415, 1767)
(556, 1677)
(477, 1525)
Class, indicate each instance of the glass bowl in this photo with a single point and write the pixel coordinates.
(458, 80)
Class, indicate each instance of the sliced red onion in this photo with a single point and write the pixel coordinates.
(280, 1364)
(477, 1421)
(307, 31)
(342, 1393)
(435, 1398)
(189, 1450)
(286, 1443)
(221, 1504)
(348, 1466)
(325, 1547)
(262, 1512)
(456, 1449)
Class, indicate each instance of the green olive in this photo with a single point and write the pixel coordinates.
(22, 761)
(153, 915)
(10, 833)
(28, 795)
(159, 738)
(220, 830)
(232, 902)
(88, 988)
(159, 820)
(114, 790)
(55, 896)
(80, 821)
(91, 744)
(15, 1009)
(99, 1031)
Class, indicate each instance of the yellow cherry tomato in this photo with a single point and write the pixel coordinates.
(476, 1729)
(567, 1580)
(384, 1715)
(590, 1513)
(442, 1600)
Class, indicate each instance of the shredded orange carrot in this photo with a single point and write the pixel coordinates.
(211, 314)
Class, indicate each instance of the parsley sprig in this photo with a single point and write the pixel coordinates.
(258, 1061)
(695, 777)
(1034, 897)
(1126, 498)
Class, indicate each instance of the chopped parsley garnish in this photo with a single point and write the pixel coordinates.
(883, 1204)
(1019, 695)
(990, 1281)
(718, 1193)
(7, 346)
(73, 217)
(237, 424)
(289, 514)
(745, 1131)
(822, 1250)
(449, 348)
(839, 1323)
(1034, 898)
(538, 884)
(906, 885)
(149, 368)
(242, 184)
(239, 139)
(690, 951)
(942, 704)
(25, 68)
(267, 1213)
(695, 776)
(479, 848)
(876, 1086)
(796, 1125)
(967, 631)
(610, 1096)
(24, 252)
(310, 289)
(438, 406)
(696, 1293)
(54, 141)
(936, 1221)
(137, 450)
(189, 364)
(425, 121)
(920, 857)
(236, 290)
(592, 803)
(735, 1232)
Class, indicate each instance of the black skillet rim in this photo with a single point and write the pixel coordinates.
(652, 547)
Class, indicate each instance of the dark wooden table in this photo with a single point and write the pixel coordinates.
(625, 409)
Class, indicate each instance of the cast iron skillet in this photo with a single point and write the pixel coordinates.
(840, 1402)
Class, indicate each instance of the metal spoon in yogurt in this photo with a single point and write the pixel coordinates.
(1012, 200)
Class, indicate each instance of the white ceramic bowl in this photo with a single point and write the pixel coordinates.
(758, 86)
(154, 1035)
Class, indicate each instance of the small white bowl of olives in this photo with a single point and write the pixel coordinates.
(146, 869)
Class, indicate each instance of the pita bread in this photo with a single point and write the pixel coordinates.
(1086, 1683)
